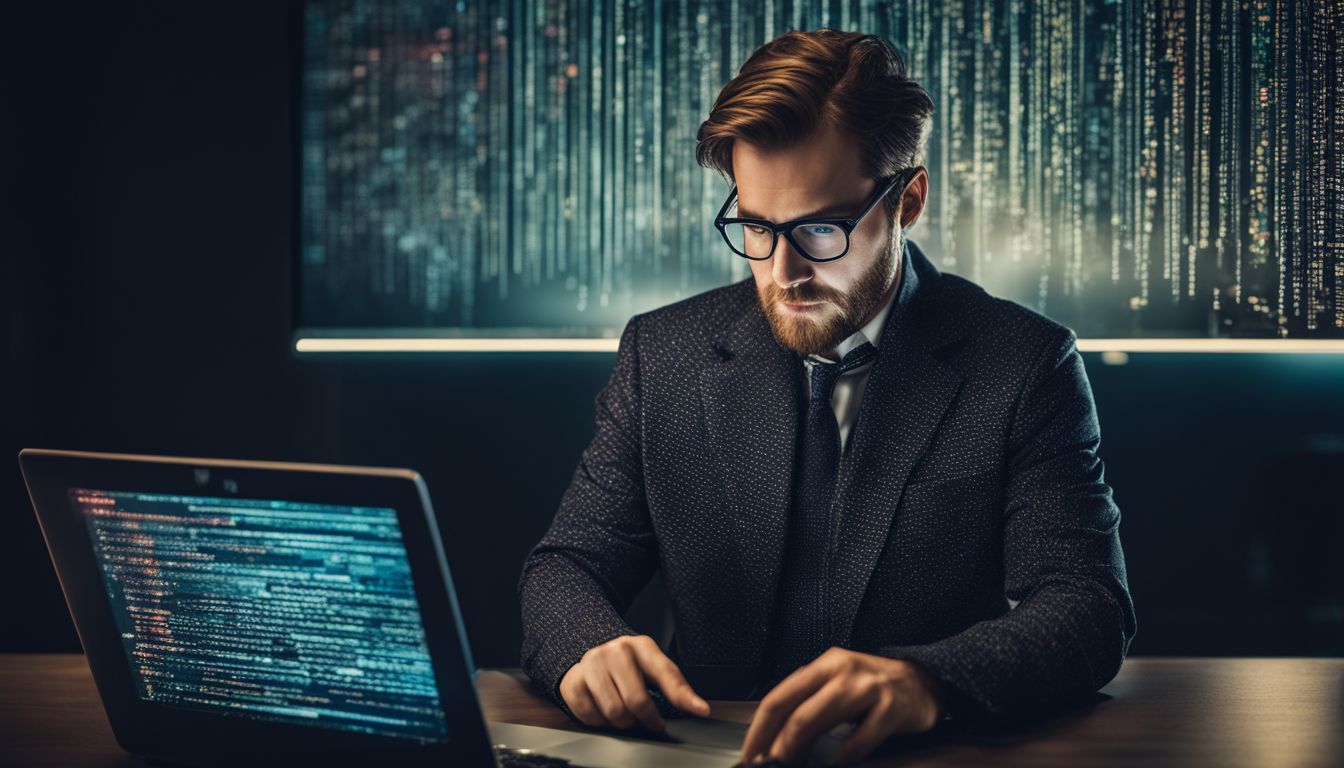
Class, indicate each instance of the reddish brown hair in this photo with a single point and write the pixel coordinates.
(792, 83)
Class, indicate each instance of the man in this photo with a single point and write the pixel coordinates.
(872, 488)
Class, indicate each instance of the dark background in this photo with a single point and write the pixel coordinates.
(146, 286)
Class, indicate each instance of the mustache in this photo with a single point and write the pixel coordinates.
(804, 294)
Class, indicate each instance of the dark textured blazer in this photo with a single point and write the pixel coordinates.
(976, 534)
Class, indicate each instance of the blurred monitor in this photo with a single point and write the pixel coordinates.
(1142, 170)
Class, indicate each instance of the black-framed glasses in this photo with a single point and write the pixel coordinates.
(819, 239)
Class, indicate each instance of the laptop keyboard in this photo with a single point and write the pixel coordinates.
(508, 757)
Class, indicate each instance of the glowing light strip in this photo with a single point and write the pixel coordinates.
(1283, 346)
(456, 345)
(1286, 346)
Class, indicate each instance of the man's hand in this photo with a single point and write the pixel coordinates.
(890, 696)
(607, 686)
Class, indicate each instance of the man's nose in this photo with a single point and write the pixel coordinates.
(789, 267)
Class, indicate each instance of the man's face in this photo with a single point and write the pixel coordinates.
(813, 306)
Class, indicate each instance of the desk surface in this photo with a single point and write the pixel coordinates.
(1186, 711)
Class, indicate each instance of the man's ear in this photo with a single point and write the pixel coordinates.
(912, 199)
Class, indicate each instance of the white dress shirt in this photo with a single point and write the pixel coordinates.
(849, 388)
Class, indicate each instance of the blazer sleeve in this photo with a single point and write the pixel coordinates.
(1071, 627)
(600, 550)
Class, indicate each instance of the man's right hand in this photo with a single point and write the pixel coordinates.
(607, 687)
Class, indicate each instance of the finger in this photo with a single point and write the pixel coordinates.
(837, 702)
(669, 679)
(608, 699)
(777, 705)
(875, 728)
(584, 706)
(629, 681)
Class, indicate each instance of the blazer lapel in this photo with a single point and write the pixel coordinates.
(751, 406)
(907, 394)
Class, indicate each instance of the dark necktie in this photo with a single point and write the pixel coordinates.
(802, 632)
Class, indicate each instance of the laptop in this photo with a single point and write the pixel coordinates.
(278, 612)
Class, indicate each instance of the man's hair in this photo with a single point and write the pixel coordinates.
(791, 84)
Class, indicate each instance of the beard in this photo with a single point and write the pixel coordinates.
(819, 331)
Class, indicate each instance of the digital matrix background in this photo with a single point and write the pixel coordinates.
(1131, 168)
(274, 610)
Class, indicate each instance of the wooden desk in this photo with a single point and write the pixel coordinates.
(1158, 711)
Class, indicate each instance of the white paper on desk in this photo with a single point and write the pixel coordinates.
(729, 734)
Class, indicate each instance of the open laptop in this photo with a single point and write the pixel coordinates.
(254, 611)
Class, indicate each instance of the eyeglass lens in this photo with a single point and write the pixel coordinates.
(816, 239)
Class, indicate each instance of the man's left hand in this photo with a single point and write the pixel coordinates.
(886, 696)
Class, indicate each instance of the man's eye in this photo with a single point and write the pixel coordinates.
(819, 230)
(757, 229)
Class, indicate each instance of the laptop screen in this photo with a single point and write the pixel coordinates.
(275, 610)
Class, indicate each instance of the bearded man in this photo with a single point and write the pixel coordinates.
(872, 489)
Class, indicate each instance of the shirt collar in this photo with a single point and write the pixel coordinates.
(872, 332)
